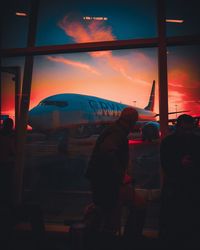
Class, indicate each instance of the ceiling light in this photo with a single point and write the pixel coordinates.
(18, 13)
(174, 20)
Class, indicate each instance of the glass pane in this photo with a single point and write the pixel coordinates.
(104, 74)
(56, 153)
(60, 90)
(182, 17)
(8, 78)
(14, 19)
(62, 22)
(65, 94)
(184, 79)
(8, 95)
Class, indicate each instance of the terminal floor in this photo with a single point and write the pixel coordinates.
(59, 241)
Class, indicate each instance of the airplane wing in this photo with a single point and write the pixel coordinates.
(173, 120)
(196, 119)
(176, 112)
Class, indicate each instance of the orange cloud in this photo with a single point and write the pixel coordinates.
(81, 34)
(176, 85)
(95, 31)
(176, 96)
(73, 63)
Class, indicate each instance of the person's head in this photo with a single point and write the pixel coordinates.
(128, 118)
(184, 124)
(8, 124)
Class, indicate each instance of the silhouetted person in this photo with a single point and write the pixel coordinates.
(7, 154)
(107, 175)
(10, 213)
(180, 199)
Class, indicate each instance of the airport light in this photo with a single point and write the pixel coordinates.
(176, 110)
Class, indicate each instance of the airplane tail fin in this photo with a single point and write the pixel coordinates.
(151, 102)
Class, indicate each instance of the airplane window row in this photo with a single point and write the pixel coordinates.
(54, 103)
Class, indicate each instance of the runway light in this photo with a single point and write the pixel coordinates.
(21, 13)
(174, 20)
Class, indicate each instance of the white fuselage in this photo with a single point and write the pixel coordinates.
(69, 110)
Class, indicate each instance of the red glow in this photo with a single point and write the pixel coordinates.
(29, 127)
(135, 142)
(183, 89)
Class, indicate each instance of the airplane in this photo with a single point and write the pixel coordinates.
(86, 115)
(81, 116)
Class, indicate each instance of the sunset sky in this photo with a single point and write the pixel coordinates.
(124, 76)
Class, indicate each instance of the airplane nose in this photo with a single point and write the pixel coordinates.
(39, 118)
(43, 118)
(33, 116)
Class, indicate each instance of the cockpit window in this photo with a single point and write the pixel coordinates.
(60, 104)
